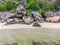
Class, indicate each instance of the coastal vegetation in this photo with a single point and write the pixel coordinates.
(34, 10)
(42, 6)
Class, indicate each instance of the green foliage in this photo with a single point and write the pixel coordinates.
(18, 0)
(42, 6)
(30, 0)
(46, 8)
(32, 5)
(29, 10)
(13, 10)
(9, 5)
(3, 7)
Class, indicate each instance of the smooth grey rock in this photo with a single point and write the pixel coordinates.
(24, 3)
(20, 7)
(21, 12)
(36, 13)
(36, 24)
(52, 14)
(37, 16)
(49, 14)
(52, 17)
(27, 20)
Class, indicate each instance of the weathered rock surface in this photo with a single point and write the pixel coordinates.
(38, 17)
(21, 15)
(24, 3)
(24, 17)
(53, 17)
(21, 7)
(27, 20)
(36, 24)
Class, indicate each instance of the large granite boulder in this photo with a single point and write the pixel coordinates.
(21, 12)
(24, 3)
(37, 16)
(49, 14)
(53, 17)
(20, 9)
(14, 18)
(5, 15)
(27, 20)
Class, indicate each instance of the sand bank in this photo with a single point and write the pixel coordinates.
(17, 26)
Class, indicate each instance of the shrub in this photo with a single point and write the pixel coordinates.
(18, 0)
(9, 5)
(45, 9)
(32, 5)
(13, 10)
(3, 7)
(42, 6)
(28, 1)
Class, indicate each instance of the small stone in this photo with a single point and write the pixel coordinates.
(36, 24)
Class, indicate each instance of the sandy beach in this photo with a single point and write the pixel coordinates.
(17, 33)
(17, 26)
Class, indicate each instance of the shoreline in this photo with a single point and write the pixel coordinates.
(23, 26)
(16, 33)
